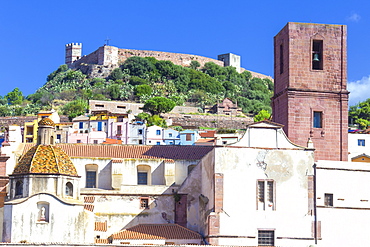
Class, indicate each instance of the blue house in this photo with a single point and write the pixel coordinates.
(189, 137)
(171, 137)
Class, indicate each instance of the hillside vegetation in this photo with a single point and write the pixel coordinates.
(140, 79)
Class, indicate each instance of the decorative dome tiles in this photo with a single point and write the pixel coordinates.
(45, 159)
(46, 121)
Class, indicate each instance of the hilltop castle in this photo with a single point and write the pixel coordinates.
(102, 61)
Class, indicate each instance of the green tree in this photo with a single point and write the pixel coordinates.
(14, 97)
(116, 74)
(360, 114)
(194, 64)
(75, 108)
(143, 89)
(138, 66)
(262, 115)
(157, 105)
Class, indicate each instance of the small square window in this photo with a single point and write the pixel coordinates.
(140, 141)
(158, 132)
(170, 134)
(361, 142)
(266, 238)
(328, 200)
(95, 141)
(140, 131)
(78, 141)
(158, 143)
(144, 202)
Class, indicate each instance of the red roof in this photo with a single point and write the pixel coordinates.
(157, 231)
(133, 151)
(209, 133)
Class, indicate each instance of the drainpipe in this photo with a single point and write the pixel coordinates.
(314, 202)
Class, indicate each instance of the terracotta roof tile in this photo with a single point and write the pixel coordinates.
(133, 151)
(46, 159)
(101, 241)
(89, 207)
(157, 231)
(46, 121)
(100, 226)
(209, 133)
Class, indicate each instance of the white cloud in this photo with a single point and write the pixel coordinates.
(354, 17)
(359, 90)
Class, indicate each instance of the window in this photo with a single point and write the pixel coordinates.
(281, 59)
(317, 57)
(144, 203)
(188, 137)
(328, 200)
(158, 132)
(90, 179)
(81, 125)
(361, 142)
(265, 195)
(19, 188)
(99, 105)
(121, 107)
(143, 175)
(58, 136)
(158, 143)
(119, 129)
(140, 141)
(317, 119)
(69, 189)
(140, 131)
(95, 141)
(100, 126)
(78, 141)
(170, 135)
(266, 237)
(142, 178)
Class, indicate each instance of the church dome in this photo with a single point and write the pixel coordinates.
(45, 159)
(46, 121)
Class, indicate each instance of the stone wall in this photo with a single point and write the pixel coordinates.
(210, 121)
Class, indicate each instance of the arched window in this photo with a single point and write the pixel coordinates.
(19, 188)
(69, 189)
(144, 175)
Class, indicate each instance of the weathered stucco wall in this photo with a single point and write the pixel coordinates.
(74, 226)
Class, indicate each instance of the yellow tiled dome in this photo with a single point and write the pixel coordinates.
(46, 121)
(45, 159)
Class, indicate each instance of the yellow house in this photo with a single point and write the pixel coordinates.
(30, 128)
(361, 158)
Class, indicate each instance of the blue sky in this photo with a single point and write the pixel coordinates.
(34, 33)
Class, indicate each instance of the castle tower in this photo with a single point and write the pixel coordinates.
(73, 52)
(310, 93)
(230, 59)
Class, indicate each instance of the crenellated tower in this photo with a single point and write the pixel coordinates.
(73, 52)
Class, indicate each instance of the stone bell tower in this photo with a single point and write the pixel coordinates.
(310, 95)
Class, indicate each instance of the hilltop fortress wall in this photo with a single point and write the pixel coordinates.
(102, 61)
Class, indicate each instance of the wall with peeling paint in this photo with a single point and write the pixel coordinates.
(230, 215)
